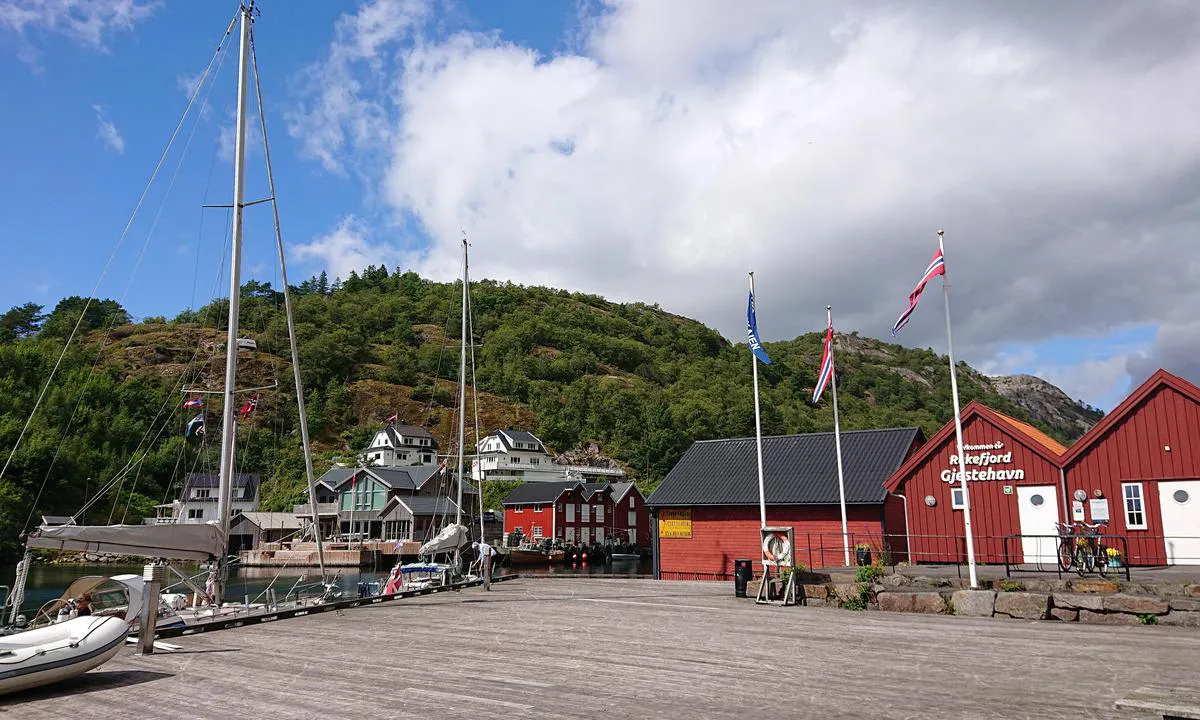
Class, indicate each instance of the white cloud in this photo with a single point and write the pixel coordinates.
(107, 132)
(348, 248)
(88, 22)
(822, 146)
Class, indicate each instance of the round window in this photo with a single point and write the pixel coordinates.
(1181, 496)
(1036, 500)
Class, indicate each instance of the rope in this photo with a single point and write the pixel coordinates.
(104, 271)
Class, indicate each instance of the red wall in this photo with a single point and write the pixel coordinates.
(527, 518)
(936, 534)
(620, 523)
(721, 535)
(1132, 451)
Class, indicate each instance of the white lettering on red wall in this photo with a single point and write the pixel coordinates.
(983, 457)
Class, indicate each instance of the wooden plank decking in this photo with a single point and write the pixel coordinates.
(551, 648)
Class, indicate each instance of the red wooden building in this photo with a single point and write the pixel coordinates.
(577, 513)
(1013, 471)
(708, 505)
(1139, 469)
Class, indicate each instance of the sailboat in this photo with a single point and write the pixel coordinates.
(454, 536)
(172, 543)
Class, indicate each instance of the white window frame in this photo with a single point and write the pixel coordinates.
(518, 509)
(201, 493)
(1139, 510)
(598, 513)
(583, 513)
(570, 534)
(599, 534)
(195, 513)
(632, 519)
(537, 532)
(956, 498)
(570, 512)
(631, 504)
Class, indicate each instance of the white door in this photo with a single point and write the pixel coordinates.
(1037, 508)
(1180, 502)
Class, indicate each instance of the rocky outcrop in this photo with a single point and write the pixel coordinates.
(588, 455)
(1046, 403)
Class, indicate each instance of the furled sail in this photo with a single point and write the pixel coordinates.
(186, 541)
(450, 538)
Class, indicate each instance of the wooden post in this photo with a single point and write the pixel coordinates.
(152, 577)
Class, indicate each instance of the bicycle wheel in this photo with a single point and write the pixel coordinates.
(1081, 560)
(1102, 560)
(1066, 554)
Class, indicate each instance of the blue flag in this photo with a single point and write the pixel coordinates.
(196, 426)
(752, 333)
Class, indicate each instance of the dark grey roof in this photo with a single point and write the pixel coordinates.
(395, 431)
(334, 476)
(212, 480)
(619, 489)
(590, 489)
(508, 434)
(538, 492)
(429, 505)
(797, 469)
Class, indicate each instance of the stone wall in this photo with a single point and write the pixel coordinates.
(1077, 600)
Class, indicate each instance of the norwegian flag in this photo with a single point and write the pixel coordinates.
(390, 419)
(937, 266)
(194, 403)
(249, 407)
(826, 372)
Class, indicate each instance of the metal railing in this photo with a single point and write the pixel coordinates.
(1055, 540)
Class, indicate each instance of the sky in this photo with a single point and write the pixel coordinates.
(644, 151)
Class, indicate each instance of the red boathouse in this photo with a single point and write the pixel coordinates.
(708, 505)
(577, 513)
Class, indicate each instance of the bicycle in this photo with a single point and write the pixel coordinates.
(1066, 546)
(1091, 555)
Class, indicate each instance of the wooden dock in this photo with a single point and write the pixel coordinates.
(618, 648)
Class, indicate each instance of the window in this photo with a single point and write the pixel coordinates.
(537, 508)
(630, 501)
(537, 532)
(956, 498)
(1181, 497)
(570, 533)
(599, 511)
(1135, 512)
(599, 534)
(202, 493)
(570, 512)
(403, 456)
(518, 509)
(583, 513)
(632, 518)
(426, 458)
(195, 513)
(1037, 500)
(533, 461)
(514, 459)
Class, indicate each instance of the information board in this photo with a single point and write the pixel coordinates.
(674, 523)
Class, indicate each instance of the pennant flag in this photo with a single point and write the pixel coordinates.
(826, 371)
(937, 266)
(249, 407)
(194, 403)
(752, 333)
(195, 426)
(390, 419)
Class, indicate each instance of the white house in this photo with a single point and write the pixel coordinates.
(402, 446)
(511, 454)
(198, 501)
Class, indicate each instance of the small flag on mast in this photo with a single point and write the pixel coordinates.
(195, 426)
(194, 403)
(390, 419)
(826, 371)
(752, 333)
(937, 266)
(249, 407)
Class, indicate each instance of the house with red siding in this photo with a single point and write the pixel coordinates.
(1138, 471)
(707, 508)
(576, 513)
(630, 517)
(1012, 471)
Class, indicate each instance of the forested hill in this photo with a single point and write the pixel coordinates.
(638, 382)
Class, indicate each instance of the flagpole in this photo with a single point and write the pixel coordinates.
(762, 499)
(837, 438)
(961, 470)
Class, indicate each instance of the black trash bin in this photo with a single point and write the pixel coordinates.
(743, 573)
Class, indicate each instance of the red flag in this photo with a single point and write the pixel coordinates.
(249, 407)
(390, 419)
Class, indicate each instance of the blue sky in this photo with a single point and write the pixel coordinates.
(707, 139)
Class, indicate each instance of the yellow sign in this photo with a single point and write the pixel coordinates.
(674, 523)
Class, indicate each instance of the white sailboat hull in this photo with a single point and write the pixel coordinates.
(59, 652)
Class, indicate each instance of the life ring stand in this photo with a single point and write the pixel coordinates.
(775, 547)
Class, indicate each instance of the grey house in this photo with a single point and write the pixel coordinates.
(198, 499)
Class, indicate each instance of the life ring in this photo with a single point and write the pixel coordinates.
(775, 547)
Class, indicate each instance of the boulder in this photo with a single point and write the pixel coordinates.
(1135, 604)
(1027, 605)
(1186, 604)
(930, 603)
(1087, 616)
(895, 601)
(845, 590)
(815, 602)
(974, 603)
(1094, 586)
(894, 580)
(1181, 617)
(1076, 601)
(1064, 614)
(1192, 590)
(814, 592)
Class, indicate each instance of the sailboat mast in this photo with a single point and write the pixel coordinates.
(462, 390)
(228, 430)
